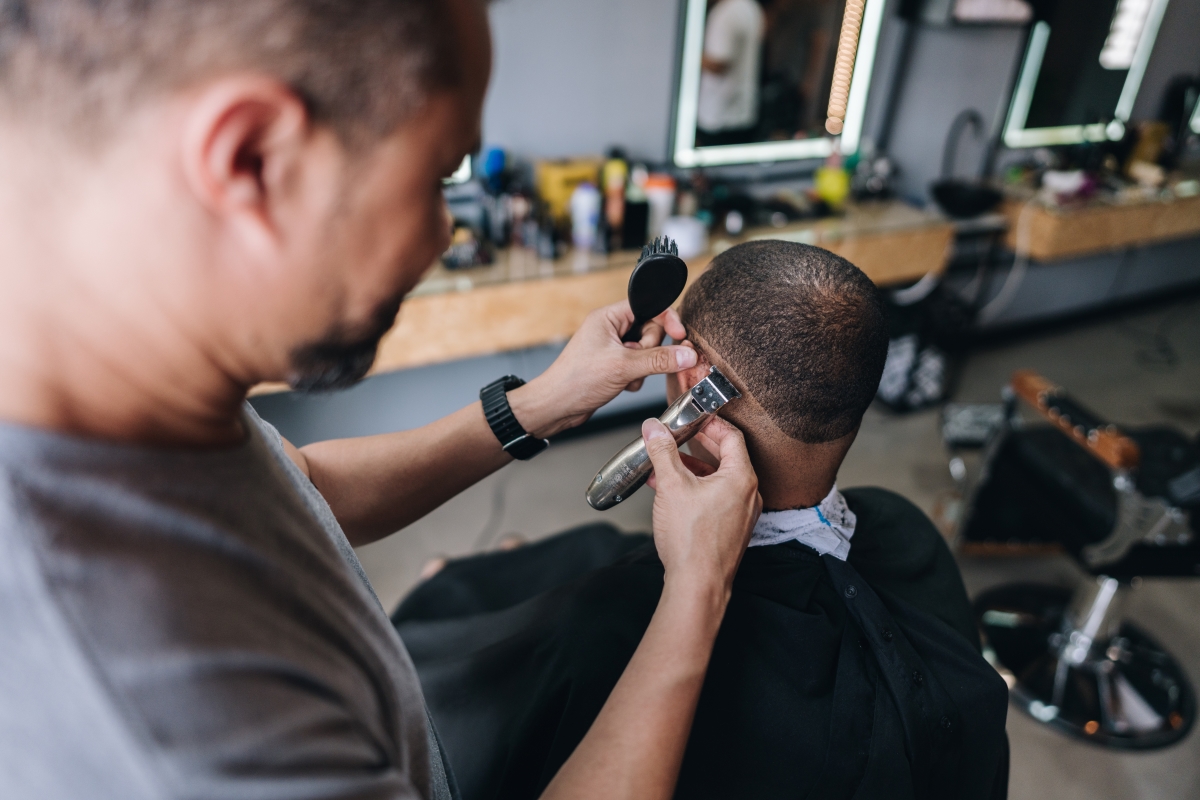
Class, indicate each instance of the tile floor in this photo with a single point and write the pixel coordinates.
(1140, 366)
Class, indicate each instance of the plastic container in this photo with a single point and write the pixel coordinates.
(585, 215)
(689, 233)
(660, 192)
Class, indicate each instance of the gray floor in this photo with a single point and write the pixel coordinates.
(1137, 367)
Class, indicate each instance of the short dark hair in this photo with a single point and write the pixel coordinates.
(361, 66)
(804, 329)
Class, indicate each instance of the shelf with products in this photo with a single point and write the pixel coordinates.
(521, 300)
(1105, 222)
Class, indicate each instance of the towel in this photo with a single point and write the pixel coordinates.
(826, 527)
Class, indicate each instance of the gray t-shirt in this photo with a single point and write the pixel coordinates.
(192, 625)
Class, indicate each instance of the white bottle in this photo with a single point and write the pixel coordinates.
(585, 215)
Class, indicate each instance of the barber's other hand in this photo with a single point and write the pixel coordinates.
(596, 366)
(702, 524)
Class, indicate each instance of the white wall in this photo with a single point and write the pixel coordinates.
(578, 76)
(952, 69)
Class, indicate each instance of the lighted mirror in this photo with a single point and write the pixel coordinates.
(1083, 66)
(754, 79)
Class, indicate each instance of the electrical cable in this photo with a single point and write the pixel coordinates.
(918, 291)
(496, 516)
(971, 292)
(1016, 275)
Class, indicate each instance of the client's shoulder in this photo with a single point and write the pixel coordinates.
(883, 506)
(897, 549)
(892, 533)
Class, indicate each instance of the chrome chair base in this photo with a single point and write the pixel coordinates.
(1072, 664)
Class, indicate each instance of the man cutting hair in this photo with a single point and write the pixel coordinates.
(197, 196)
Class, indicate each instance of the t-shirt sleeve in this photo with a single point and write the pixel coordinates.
(733, 27)
(227, 638)
(723, 35)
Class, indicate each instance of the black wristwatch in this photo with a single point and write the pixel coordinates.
(513, 438)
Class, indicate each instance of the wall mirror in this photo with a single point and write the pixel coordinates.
(1082, 69)
(754, 78)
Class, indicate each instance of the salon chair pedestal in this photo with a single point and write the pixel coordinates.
(1070, 658)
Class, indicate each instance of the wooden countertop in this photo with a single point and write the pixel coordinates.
(1101, 224)
(522, 301)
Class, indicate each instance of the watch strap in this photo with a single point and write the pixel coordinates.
(514, 439)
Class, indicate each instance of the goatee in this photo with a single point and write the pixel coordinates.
(343, 356)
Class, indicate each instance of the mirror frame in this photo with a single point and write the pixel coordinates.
(1016, 135)
(682, 146)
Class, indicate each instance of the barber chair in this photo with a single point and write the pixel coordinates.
(1124, 503)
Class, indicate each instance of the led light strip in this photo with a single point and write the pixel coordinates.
(864, 66)
(1133, 80)
(1023, 96)
(689, 83)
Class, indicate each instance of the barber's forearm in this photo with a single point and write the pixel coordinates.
(377, 485)
(635, 747)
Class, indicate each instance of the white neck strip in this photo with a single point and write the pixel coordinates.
(826, 527)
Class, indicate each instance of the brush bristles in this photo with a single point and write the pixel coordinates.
(661, 246)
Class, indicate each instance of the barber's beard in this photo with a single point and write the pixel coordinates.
(342, 357)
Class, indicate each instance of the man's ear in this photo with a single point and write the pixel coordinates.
(245, 142)
(680, 382)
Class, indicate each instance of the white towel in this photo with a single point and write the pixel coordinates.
(826, 527)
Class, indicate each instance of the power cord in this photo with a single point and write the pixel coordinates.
(1016, 275)
(496, 515)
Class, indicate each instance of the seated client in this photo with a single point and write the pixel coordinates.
(847, 664)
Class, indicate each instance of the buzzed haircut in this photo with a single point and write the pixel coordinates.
(804, 329)
(361, 66)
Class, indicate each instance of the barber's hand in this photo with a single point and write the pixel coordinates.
(702, 523)
(596, 366)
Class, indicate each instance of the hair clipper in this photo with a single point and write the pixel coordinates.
(625, 472)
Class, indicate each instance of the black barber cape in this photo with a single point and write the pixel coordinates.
(828, 679)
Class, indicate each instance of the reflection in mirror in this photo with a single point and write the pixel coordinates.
(1082, 70)
(754, 80)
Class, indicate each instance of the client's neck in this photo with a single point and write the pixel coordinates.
(794, 474)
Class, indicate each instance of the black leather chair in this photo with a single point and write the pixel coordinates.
(1124, 504)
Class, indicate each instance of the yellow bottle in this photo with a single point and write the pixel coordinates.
(832, 184)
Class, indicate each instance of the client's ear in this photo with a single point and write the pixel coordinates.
(680, 382)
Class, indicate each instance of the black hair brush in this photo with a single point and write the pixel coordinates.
(656, 283)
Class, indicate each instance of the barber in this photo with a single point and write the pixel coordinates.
(197, 196)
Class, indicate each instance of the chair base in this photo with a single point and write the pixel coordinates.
(1109, 684)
